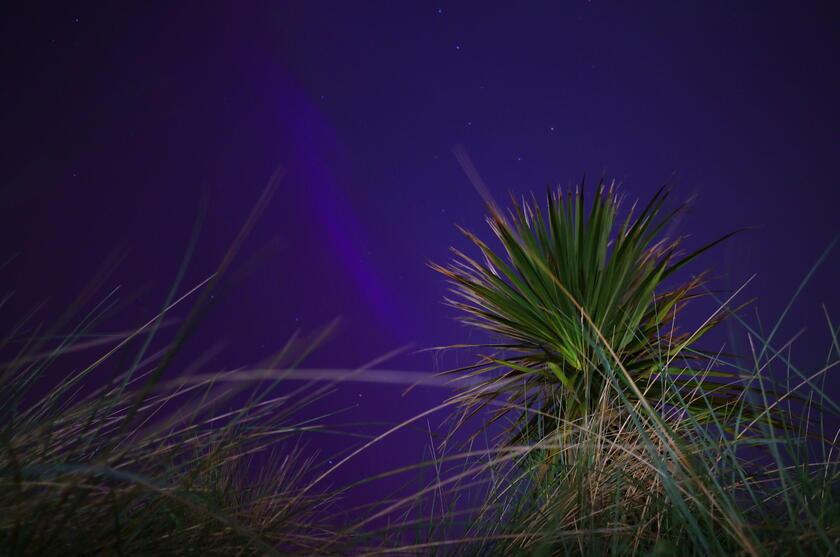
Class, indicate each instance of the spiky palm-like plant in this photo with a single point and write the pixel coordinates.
(579, 306)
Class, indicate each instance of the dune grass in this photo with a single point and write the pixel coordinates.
(127, 456)
(134, 467)
(621, 436)
(629, 438)
(628, 480)
(649, 447)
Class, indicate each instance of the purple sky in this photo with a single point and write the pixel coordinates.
(116, 118)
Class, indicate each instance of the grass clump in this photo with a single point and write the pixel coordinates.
(629, 438)
(622, 435)
(139, 465)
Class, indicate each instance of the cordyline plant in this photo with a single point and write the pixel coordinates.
(578, 305)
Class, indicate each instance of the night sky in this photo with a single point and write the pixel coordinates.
(117, 118)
